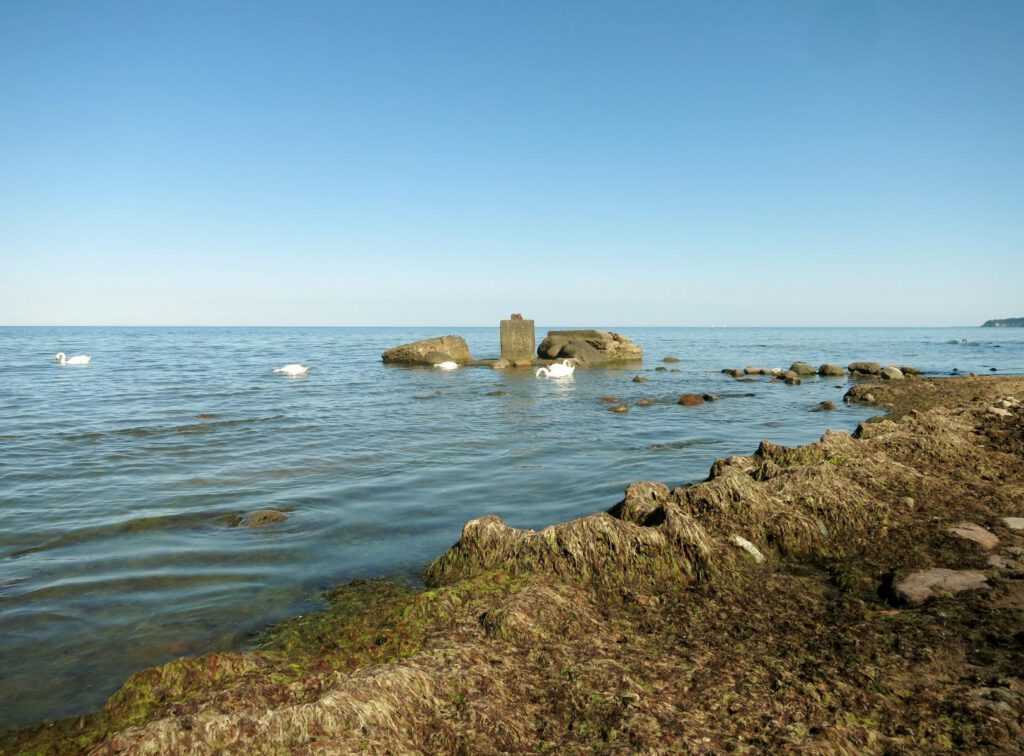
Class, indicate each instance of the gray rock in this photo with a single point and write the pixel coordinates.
(830, 370)
(430, 352)
(920, 586)
(865, 368)
(589, 347)
(747, 546)
(891, 373)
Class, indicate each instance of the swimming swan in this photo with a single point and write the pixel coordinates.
(447, 365)
(78, 359)
(294, 369)
(563, 369)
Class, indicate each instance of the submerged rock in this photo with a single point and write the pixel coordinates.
(589, 347)
(639, 379)
(670, 358)
(263, 517)
(619, 408)
(430, 352)
(644, 402)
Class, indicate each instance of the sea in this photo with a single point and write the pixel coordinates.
(122, 481)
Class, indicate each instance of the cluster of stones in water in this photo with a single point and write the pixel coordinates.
(798, 370)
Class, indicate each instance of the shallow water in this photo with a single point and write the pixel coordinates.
(118, 480)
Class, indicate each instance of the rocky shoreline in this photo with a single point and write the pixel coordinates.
(766, 608)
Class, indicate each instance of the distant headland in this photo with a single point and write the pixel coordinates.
(1004, 323)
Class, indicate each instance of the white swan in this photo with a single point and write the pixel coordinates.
(78, 359)
(563, 369)
(447, 365)
(293, 369)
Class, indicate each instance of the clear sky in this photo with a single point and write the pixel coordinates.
(448, 163)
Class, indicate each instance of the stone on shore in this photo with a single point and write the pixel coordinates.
(802, 368)
(1014, 523)
(891, 373)
(972, 531)
(918, 587)
(864, 368)
(589, 347)
(831, 370)
(430, 352)
(741, 542)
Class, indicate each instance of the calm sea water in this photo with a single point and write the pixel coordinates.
(118, 479)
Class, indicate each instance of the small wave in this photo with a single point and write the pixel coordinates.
(684, 444)
(137, 525)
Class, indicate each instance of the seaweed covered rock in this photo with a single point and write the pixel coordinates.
(589, 347)
(430, 352)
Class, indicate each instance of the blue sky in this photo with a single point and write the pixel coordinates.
(418, 163)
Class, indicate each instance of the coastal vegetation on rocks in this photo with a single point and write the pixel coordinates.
(821, 598)
(1004, 323)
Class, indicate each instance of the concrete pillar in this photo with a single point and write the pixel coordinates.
(518, 343)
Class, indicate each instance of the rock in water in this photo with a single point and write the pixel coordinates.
(830, 370)
(864, 368)
(589, 347)
(689, 400)
(891, 373)
(802, 368)
(430, 352)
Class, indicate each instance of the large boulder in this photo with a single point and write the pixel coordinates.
(891, 373)
(430, 352)
(802, 368)
(830, 370)
(589, 347)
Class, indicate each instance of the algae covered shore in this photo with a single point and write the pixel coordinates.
(648, 628)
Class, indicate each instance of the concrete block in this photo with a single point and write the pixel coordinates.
(518, 341)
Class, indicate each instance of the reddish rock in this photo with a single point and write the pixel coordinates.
(688, 400)
(918, 587)
(974, 532)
